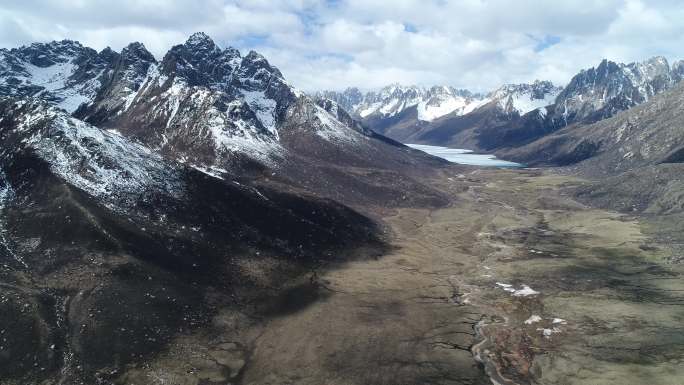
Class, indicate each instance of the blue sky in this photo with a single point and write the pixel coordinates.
(332, 44)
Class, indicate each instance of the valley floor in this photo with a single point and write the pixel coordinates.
(514, 274)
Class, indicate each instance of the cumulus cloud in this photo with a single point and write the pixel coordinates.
(332, 44)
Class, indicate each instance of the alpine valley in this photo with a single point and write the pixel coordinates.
(196, 219)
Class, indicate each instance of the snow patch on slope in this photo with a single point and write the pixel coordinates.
(524, 102)
(54, 82)
(264, 108)
(332, 129)
(260, 147)
(104, 165)
(6, 193)
(429, 110)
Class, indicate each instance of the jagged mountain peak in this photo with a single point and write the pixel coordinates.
(139, 51)
(254, 62)
(201, 104)
(602, 91)
(535, 86)
(200, 62)
(51, 53)
(64, 72)
(200, 39)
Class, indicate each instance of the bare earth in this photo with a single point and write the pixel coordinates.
(513, 283)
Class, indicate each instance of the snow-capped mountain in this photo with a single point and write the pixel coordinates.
(523, 98)
(430, 103)
(600, 92)
(110, 251)
(212, 108)
(404, 112)
(435, 102)
(204, 104)
(645, 135)
(515, 115)
(201, 103)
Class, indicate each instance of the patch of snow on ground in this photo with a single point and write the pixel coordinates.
(264, 149)
(370, 109)
(523, 100)
(533, 319)
(174, 94)
(524, 103)
(524, 290)
(548, 332)
(542, 112)
(428, 112)
(212, 171)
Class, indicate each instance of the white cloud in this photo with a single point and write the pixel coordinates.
(318, 44)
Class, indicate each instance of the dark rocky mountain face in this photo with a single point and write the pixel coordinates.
(592, 96)
(201, 103)
(647, 134)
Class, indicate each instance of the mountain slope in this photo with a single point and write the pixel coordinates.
(215, 109)
(170, 194)
(484, 127)
(110, 250)
(636, 155)
(647, 134)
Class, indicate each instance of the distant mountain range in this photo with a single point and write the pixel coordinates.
(511, 115)
(400, 112)
(617, 124)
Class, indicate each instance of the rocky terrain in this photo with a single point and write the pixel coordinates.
(198, 220)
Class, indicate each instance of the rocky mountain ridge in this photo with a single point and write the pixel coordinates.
(430, 103)
(437, 101)
(201, 104)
